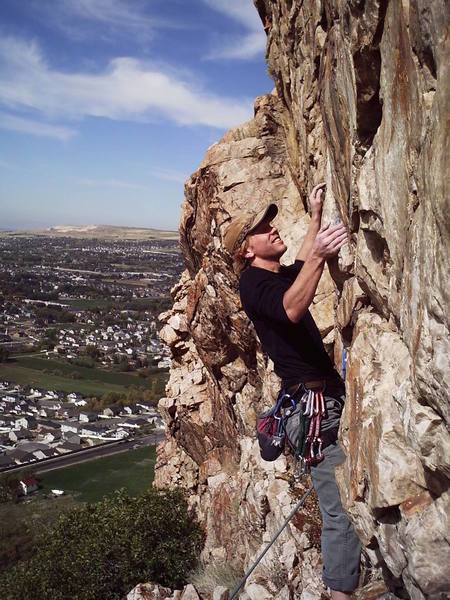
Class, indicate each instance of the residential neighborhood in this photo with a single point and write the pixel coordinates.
(75, 298)
(38, 424)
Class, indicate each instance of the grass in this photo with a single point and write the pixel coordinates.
(122, 379)
(90, 481)
(106, 303)
(23, 523)
(208, 576)
(87, 304)
(28, 370)
(33, 377)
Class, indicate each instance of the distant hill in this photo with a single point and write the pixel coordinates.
(97, 231)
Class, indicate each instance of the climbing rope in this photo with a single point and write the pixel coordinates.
(273, 540)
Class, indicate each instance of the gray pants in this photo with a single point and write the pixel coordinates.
(341, 548)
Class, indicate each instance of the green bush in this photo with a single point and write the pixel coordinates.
(101, 551)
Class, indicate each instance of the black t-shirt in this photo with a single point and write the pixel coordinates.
(296, 349)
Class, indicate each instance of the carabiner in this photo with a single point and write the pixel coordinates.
(316, 403)
(322, 404)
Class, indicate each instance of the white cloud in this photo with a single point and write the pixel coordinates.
(248, 45)
(112, 183)
(28, 126)
(127, 89)
(242, 11)
(79, 19)
(168, 174)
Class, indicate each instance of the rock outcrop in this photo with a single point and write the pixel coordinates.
(361, 100)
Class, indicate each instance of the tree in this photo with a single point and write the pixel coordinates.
(101, 551)
(92, 351)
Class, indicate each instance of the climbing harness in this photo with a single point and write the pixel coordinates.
(272, 541)
(297, 422)
(302, 428)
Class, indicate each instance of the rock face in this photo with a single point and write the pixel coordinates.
(361, 100)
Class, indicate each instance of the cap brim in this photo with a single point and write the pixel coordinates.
(267, 214)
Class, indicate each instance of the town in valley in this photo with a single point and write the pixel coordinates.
(81, 362)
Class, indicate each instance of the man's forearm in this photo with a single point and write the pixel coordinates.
(328, 241)
(300, 295)
(313, 228)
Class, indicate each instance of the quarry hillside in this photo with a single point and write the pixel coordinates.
(361, 101)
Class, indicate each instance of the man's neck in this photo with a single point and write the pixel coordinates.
(268, 264)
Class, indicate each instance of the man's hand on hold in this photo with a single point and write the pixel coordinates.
(316, 200)
(329, 240)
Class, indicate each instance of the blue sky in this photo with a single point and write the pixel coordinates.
(107, 106)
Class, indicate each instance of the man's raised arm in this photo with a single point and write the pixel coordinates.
(316, 201)
(327, 243)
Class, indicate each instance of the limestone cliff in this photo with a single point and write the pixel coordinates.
(361, 100)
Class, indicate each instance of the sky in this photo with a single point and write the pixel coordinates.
(107, 106)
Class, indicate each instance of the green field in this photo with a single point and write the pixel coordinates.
(106, 303)
(72, 378)
(90, 481)
(22, 524)
(87, 303)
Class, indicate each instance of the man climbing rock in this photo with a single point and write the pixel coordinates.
(276, 298)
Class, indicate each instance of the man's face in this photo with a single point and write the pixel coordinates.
(265, 242)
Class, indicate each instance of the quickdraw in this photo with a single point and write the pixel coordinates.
(308, 446)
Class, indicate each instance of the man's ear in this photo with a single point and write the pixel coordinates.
(248, 253)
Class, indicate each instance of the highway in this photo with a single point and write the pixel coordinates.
(89, 454)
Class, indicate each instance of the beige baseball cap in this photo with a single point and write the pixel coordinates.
(243, 224)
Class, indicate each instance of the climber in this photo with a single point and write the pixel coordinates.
(276, 298)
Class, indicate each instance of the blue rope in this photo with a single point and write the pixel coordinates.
(344, 362)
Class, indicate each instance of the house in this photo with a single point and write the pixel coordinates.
(41, 454)
(72, 438)
(133, 423)
(20, 457)
(8, 421)
(112, 411)
(19, 434)
(49, 424)
(46, 412)
(146, 408)
(52, 436)
(72, 426)
(119, 434)
(88, 417)
(33, 446)
(67, 410)
(66, 448)
(76, 399)
(90, 431)
(28, 486)
(49, 403)
(26, 423)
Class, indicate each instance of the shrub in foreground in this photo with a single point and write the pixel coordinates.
(103, 550)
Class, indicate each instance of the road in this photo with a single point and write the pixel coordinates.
(91, 454)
